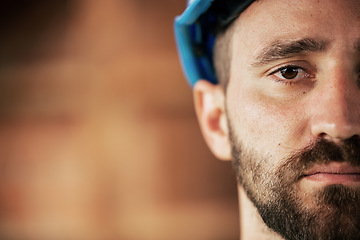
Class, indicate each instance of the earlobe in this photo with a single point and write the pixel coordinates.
(209, 100)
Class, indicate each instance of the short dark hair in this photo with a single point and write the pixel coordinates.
(223, 56)
(222, 15)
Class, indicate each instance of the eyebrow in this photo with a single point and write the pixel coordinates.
(281, 49)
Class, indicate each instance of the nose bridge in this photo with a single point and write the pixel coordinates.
(336, 107)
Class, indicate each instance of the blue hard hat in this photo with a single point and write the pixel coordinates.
(195, 32)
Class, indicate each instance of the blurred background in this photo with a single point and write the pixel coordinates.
(98, 136)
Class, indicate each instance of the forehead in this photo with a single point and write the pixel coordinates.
(266, 21)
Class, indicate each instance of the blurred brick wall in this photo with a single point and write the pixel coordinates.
(99, 138)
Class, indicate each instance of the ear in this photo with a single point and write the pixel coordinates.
(209, 102)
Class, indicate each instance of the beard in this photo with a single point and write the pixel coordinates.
(332, 212)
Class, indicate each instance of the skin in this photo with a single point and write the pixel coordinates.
(274, 116)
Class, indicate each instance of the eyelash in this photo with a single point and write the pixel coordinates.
(290, 81)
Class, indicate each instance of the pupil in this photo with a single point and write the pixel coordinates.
(289, 72)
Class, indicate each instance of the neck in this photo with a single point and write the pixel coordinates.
(251, 224)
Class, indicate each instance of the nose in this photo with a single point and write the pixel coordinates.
(336, 109)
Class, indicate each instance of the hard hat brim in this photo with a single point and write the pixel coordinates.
(195, 40)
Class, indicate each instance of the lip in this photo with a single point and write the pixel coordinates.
(333, 173)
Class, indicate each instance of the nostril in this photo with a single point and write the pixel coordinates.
(322, 135)
(325, 136)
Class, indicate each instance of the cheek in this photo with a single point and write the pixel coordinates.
(265, 123)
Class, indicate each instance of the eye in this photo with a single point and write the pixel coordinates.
(290, 74)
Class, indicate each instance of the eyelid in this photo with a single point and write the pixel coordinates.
(286, 66)
(301, 65)
(295, 64)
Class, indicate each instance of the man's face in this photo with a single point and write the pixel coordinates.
(293, 108)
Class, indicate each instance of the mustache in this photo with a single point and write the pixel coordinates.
(323, 151)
